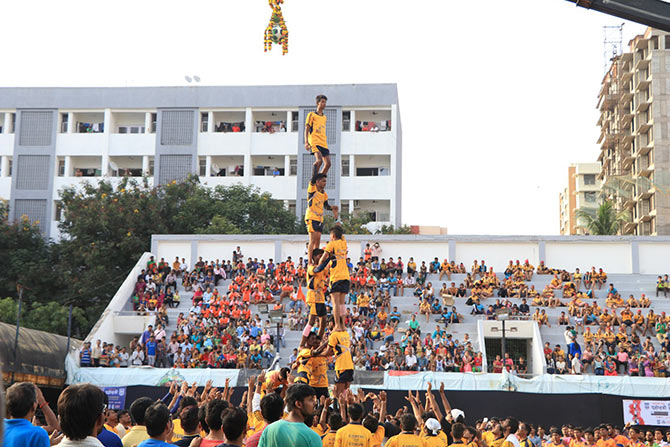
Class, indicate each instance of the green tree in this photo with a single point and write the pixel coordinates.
(604, 220)
(351, 223)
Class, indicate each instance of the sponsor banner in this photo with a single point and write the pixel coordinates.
(116, 396)
(147, 376)
(646, 412)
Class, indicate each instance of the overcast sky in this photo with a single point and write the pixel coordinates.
(497, 97)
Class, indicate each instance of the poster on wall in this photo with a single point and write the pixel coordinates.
(116, 396)
(646, 412)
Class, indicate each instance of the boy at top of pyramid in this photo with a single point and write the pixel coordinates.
(315, 136)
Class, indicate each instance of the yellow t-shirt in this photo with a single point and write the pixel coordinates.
(488, 437)
(328, 440)
(339, 271)
(317, 133)
(315, 201)
(405, 440)
(437, 441)
(303, 367)
(442, 436)
(458, 444)
(377, 437)
(135, 435)
(315, 283)
(353, 435)
(341, 343)
(318, 376)
(255, 423)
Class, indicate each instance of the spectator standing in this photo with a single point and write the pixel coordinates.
(158, 424)
(138, 433)
(293, 431)
(81, 411)
(23, 400)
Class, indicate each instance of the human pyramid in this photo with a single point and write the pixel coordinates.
(326, 265)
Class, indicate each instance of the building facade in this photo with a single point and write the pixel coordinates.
(51, 138)
(581, 193)
(634, 140)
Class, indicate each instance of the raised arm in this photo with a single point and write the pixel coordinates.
(433, 403)
(443, 397)
(49, 416)
(382, 412)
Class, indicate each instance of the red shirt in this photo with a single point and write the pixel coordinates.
(252, 441)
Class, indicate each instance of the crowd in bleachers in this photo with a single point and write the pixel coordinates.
(219, 330)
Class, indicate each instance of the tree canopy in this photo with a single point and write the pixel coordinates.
(604, 220)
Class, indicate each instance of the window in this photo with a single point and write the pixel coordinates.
(667, 41)
(12, 128)
(154, 118)
(589, 179)
(654, 43)
(58, 210)
(367, 172)
(294, 122)
(151, 167)
(63, 122)
(590, 197)
(9, 168)
(203, 167)
(345, 166)
(61, 169)
(293, 166)
(204, 121)
(346, 121)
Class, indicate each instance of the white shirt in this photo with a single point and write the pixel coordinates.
(410, 360)
(90, 441)
(576, 365)
(513, 439)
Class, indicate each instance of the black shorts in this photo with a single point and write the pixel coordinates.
(324, 150)
(314, 226)
(345, 376)
(321, 391)
(318, 309)
(341, 286)
(628, 323)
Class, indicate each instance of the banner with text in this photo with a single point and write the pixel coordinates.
(646, 412)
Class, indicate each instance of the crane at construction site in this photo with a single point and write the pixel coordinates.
(654, 13)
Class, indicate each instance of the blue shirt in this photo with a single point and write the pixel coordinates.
(154, 443)
(151, 348)
(255, 331)
(109, 439)
(86, 356)
(21, 433)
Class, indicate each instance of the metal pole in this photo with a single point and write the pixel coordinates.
(16, 338)
(69, 331)
(503, 345)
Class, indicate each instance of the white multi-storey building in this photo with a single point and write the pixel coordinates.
(51, 138)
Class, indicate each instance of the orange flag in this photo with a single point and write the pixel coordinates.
(300, 295)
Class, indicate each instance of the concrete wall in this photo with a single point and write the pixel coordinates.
(615, 254)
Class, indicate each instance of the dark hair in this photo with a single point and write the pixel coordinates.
(335, 421)
(234, 422)
(371, 423)
(272, 407)
(513, 424)
(319, 176)
(138, 408)
(20, 399)
(337, 231)
(202, 412)
(317, 253)
(79, 407)
(320, 97)
(189, 419)
(187, 401)
(122, 413)
(283, 373)
(156, 418)
(408, 422)
(457, 430)
(213, 415)
(298, 392)
(355, 412)
(554, 430)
